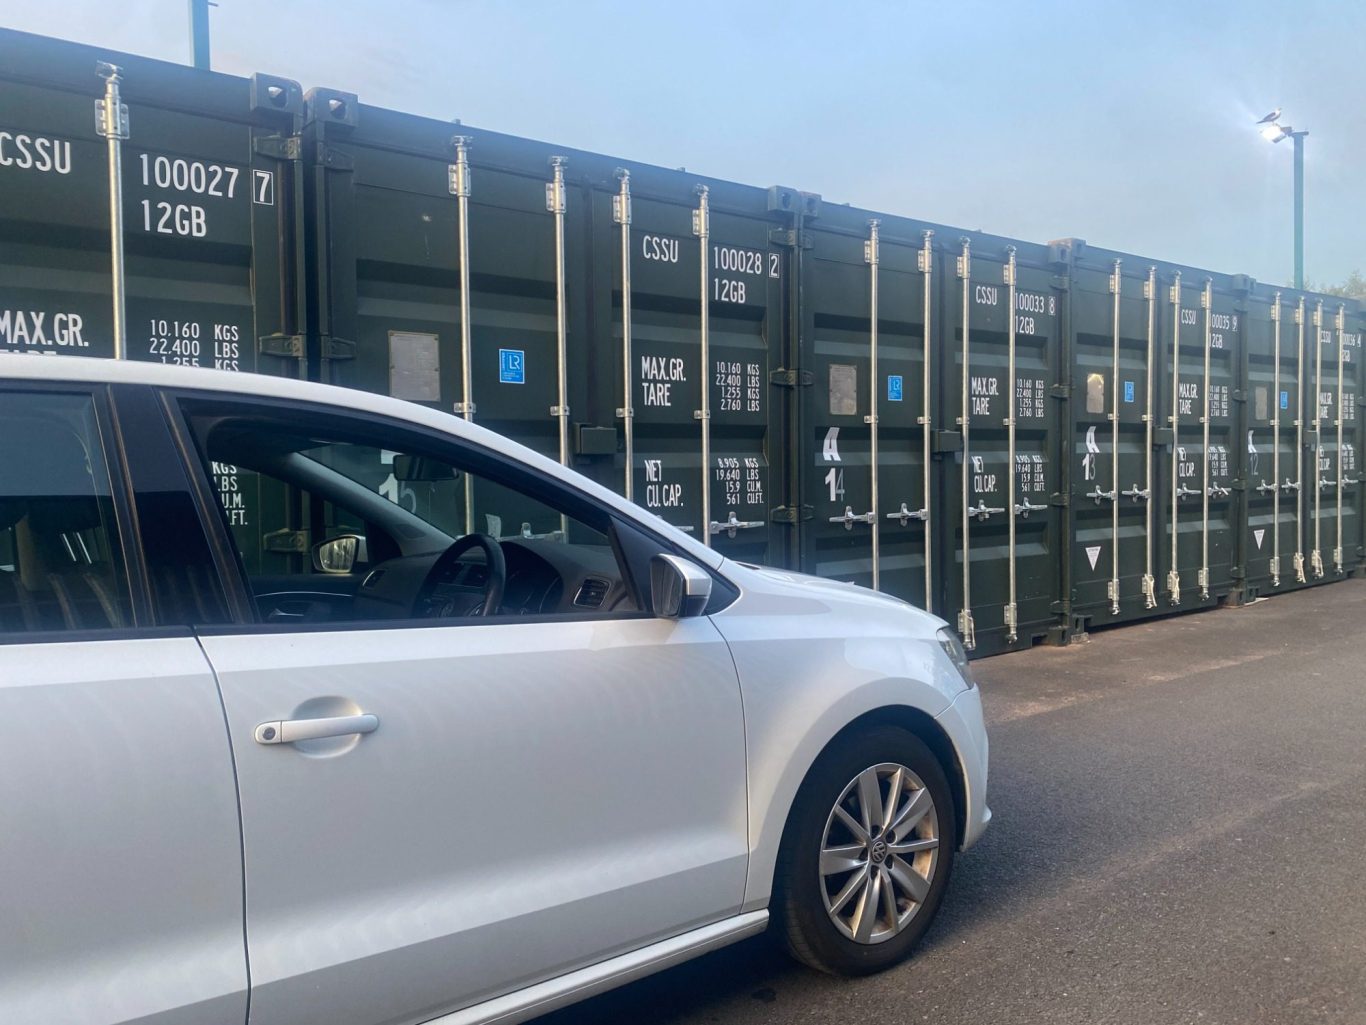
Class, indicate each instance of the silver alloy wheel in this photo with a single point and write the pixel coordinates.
(879, 853)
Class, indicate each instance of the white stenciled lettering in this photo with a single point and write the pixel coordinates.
(39, 153)
(737, 261)
(658, 374)
(657, 247)
(183, 219)
(658, 493)
(195, 176)
(986, 295)
(42, 329)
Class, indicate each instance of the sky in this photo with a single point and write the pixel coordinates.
(1127, 124)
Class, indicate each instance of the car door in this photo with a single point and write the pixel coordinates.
(119, 842)
(535, 793)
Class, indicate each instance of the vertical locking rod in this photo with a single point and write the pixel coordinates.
(621, 213)
(1173, 571)
(1299, 442)
(1011, 609)
(927, 271)
(1316, 556)
(1116, 284)
(555, 203)
(966, 627)
(1276, 442)
(701, 227)
(871, 256)
(1149, 584)
(112, 122)
(460, 185)
(1207, 301)
(1341, 325)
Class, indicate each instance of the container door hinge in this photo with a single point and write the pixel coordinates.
(785, 378)
(284, 346)
(334, 159)
(293, 542)
(791, 513)
(280, 147)
(1058, 499)
(1060, 392)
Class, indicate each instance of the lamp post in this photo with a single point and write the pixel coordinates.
(1273, 131)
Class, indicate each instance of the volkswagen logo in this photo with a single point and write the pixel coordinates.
(877, 854)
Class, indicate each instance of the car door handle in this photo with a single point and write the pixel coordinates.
(287, 731)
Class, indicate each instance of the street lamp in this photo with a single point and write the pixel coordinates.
(1273, 131)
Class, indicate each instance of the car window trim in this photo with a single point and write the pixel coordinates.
(212, 516)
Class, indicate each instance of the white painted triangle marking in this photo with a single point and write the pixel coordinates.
(1259, 534)
(1093, 553)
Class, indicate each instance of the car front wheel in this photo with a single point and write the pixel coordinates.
(866, 854)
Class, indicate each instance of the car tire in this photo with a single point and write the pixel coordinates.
(841, 852)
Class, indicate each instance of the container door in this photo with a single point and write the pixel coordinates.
(208, 214)
(697, 301)
(1005, 573)
(1113, 407)
(1202, 459)
(868, 412)
(1273, 538)
(1336, 522)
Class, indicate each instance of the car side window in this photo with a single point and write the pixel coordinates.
(61, 567)
(339, 520)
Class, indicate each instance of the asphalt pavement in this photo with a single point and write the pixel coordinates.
(1179, 836)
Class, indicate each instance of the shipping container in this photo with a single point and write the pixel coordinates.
(1157, 363)
(1031, 440)
(205, 193)
(624, 319)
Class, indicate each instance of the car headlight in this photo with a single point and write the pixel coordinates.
(953, 647)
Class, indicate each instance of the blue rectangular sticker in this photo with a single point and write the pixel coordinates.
(512, 366)
(1128, 391)
(894, 391)
(1285, 400)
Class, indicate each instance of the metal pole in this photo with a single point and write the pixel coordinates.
(1298, 139)
(1149, 584)
(1276, 445)
(199, 32)
(1173, 571)
(927, 269)
(1207, 301)
(621, 212)
(1341, 325)
(1011, 609)
(112, 121)
(555, 204)
(1316, 557)
(459, 184)
(701, 226)
(871, 256)
(966, 628)
(1116, 287)
(1299, 444)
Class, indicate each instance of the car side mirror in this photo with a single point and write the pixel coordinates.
(339, 554)
(678, 588)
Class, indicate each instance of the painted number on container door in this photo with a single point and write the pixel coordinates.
(830, 452)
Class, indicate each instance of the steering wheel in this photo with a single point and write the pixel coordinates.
(446, 562)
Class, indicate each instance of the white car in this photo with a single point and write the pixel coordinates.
(356, 712)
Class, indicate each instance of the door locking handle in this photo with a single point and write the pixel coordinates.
(288, 731)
